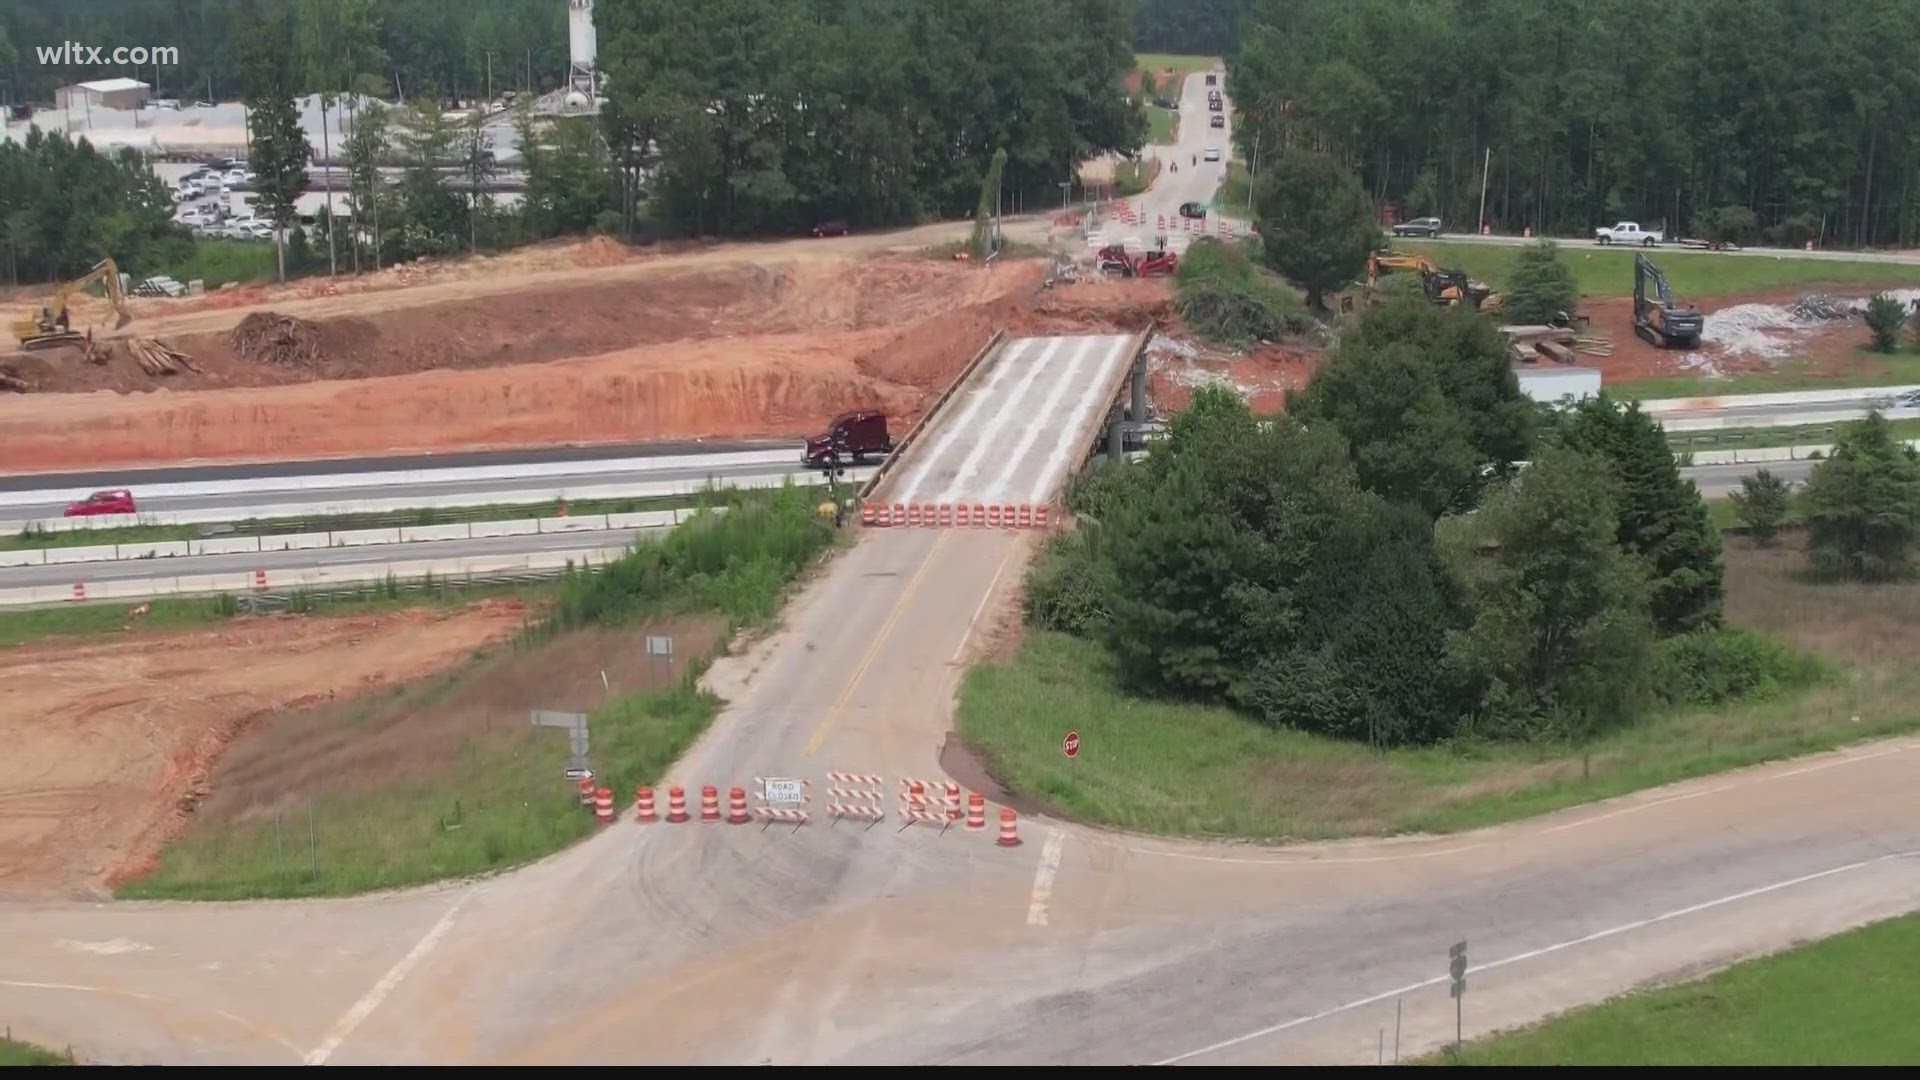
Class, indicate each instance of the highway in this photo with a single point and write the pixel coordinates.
(906, 944)
(307, 558)
(1673, 249)
(1716, 481)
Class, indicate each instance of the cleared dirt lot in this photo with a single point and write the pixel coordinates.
(110, 741)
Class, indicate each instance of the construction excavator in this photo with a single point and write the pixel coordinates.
(54, 327)
(1658, 319)
(1448, 287)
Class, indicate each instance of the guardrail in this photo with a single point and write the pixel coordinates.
(309, 511)
(239, 545)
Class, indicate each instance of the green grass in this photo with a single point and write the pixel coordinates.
(481, 792)
(1899, 369)
(1761, 438)
(139, 534)
(19, 1053)
(1847, 1000)
(1158, 62)
(1181, 768)
(1232, 196)
(219, 261)
(1693, 274)
(1163, 125)
(1132, 177)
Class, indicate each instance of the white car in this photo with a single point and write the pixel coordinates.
(1213, 153)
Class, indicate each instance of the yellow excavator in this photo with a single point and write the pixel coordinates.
(1449, 287)
(53, 326)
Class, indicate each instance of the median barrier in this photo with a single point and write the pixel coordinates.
(296, 541)
(223, 545)
(1705, 403)
(166, 549)
(362, 537)
(482, 529)
(583, 523)
(29, 557)
(91, 553)
(413, 533)
(643, 519)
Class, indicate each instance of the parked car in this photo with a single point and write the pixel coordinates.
(1213, 153)
(1219, 120)
(116, 501)
(830, 228)
(850, 436)
(1629, 232)
(1420, 226)
(1193, 210)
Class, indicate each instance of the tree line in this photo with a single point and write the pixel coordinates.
(1412, 552)
(1794, 115)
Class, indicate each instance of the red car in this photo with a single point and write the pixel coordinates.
(117, 501)
(830, 228)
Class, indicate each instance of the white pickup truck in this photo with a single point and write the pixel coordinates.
(1629, 232)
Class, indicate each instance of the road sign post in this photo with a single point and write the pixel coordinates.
(1457, 967)
(1071, 745)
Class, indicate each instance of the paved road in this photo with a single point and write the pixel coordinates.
(846, 945)
(12, 577)
(1009, 437)
(1905, 258)
(137, 478)
(470, 492)
(1717, 480)
(1196, 181)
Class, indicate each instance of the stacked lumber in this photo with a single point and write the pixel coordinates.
(157, 358)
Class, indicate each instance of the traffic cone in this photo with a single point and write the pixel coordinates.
(586, 791)
(737, 806)
(643, 806)
(953, 801)
(603, 806)
(1009, 828)
(709, 803)
(676, 804)
(976, 812)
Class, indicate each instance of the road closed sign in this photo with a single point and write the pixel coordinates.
(779, 791)
(1071, 744)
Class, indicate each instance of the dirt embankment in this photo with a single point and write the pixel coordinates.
(735, 350)
(111, 742)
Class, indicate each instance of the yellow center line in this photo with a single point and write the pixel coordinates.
(886, 631)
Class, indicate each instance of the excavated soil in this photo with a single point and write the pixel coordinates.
(734, 349)
(111, 742)
(1829, 350)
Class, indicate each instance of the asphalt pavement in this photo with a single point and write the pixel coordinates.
(1715, 481)
(1577, 243)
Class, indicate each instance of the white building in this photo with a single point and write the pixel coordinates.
(103, 94)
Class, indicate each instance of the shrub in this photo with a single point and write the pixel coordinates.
(1862, 504)
(1711, 667)
(1542, 286)
(1223, 299)
(1067, 590)
(1725, 224)
(1885, 316)
(1762, 504)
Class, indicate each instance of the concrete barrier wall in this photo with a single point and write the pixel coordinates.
(1798, 397)
(622, 490)
(1767, 454)
(1796, 419)
(331, 481)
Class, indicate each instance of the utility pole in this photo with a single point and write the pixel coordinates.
(1484, 170)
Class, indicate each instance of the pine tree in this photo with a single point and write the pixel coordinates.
(1862, 504)
(1317, 225)
(1542, 287)
(1762, 503)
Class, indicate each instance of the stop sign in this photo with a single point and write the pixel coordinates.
(1071, 744)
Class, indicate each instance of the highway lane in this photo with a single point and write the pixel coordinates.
(1672, 249)
(1716, 481)
(307, 558)
(470, 492)
(269, 470)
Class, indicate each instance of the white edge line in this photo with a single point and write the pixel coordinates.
(1532, 954)
(974, 619)
(1043, 878)
(352, 1018)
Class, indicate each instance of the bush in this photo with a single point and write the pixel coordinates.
(1762, 504)
(1067, 590)
(1725, 224)
(1712, 667)
(1862, 504)
(1542, 286)
(1885, 316)
(1226, 301)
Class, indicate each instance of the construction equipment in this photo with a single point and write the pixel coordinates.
(1449, 287)
(1658, 319)
(1114, 259)
(53, 326)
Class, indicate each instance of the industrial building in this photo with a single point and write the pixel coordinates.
(103, 94)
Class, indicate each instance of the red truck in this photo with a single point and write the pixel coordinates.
(851, 436)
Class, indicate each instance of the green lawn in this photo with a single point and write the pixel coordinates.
(19, 1053)
(1161, 766)
(1158, 62)
(140, 534)
(1693, 274)
(1900, 369)
(1163, 125)
(1232, 196)
(1844, 1001)
(218, 261)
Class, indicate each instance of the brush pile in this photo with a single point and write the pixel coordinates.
(157, 358)
(267, 337)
